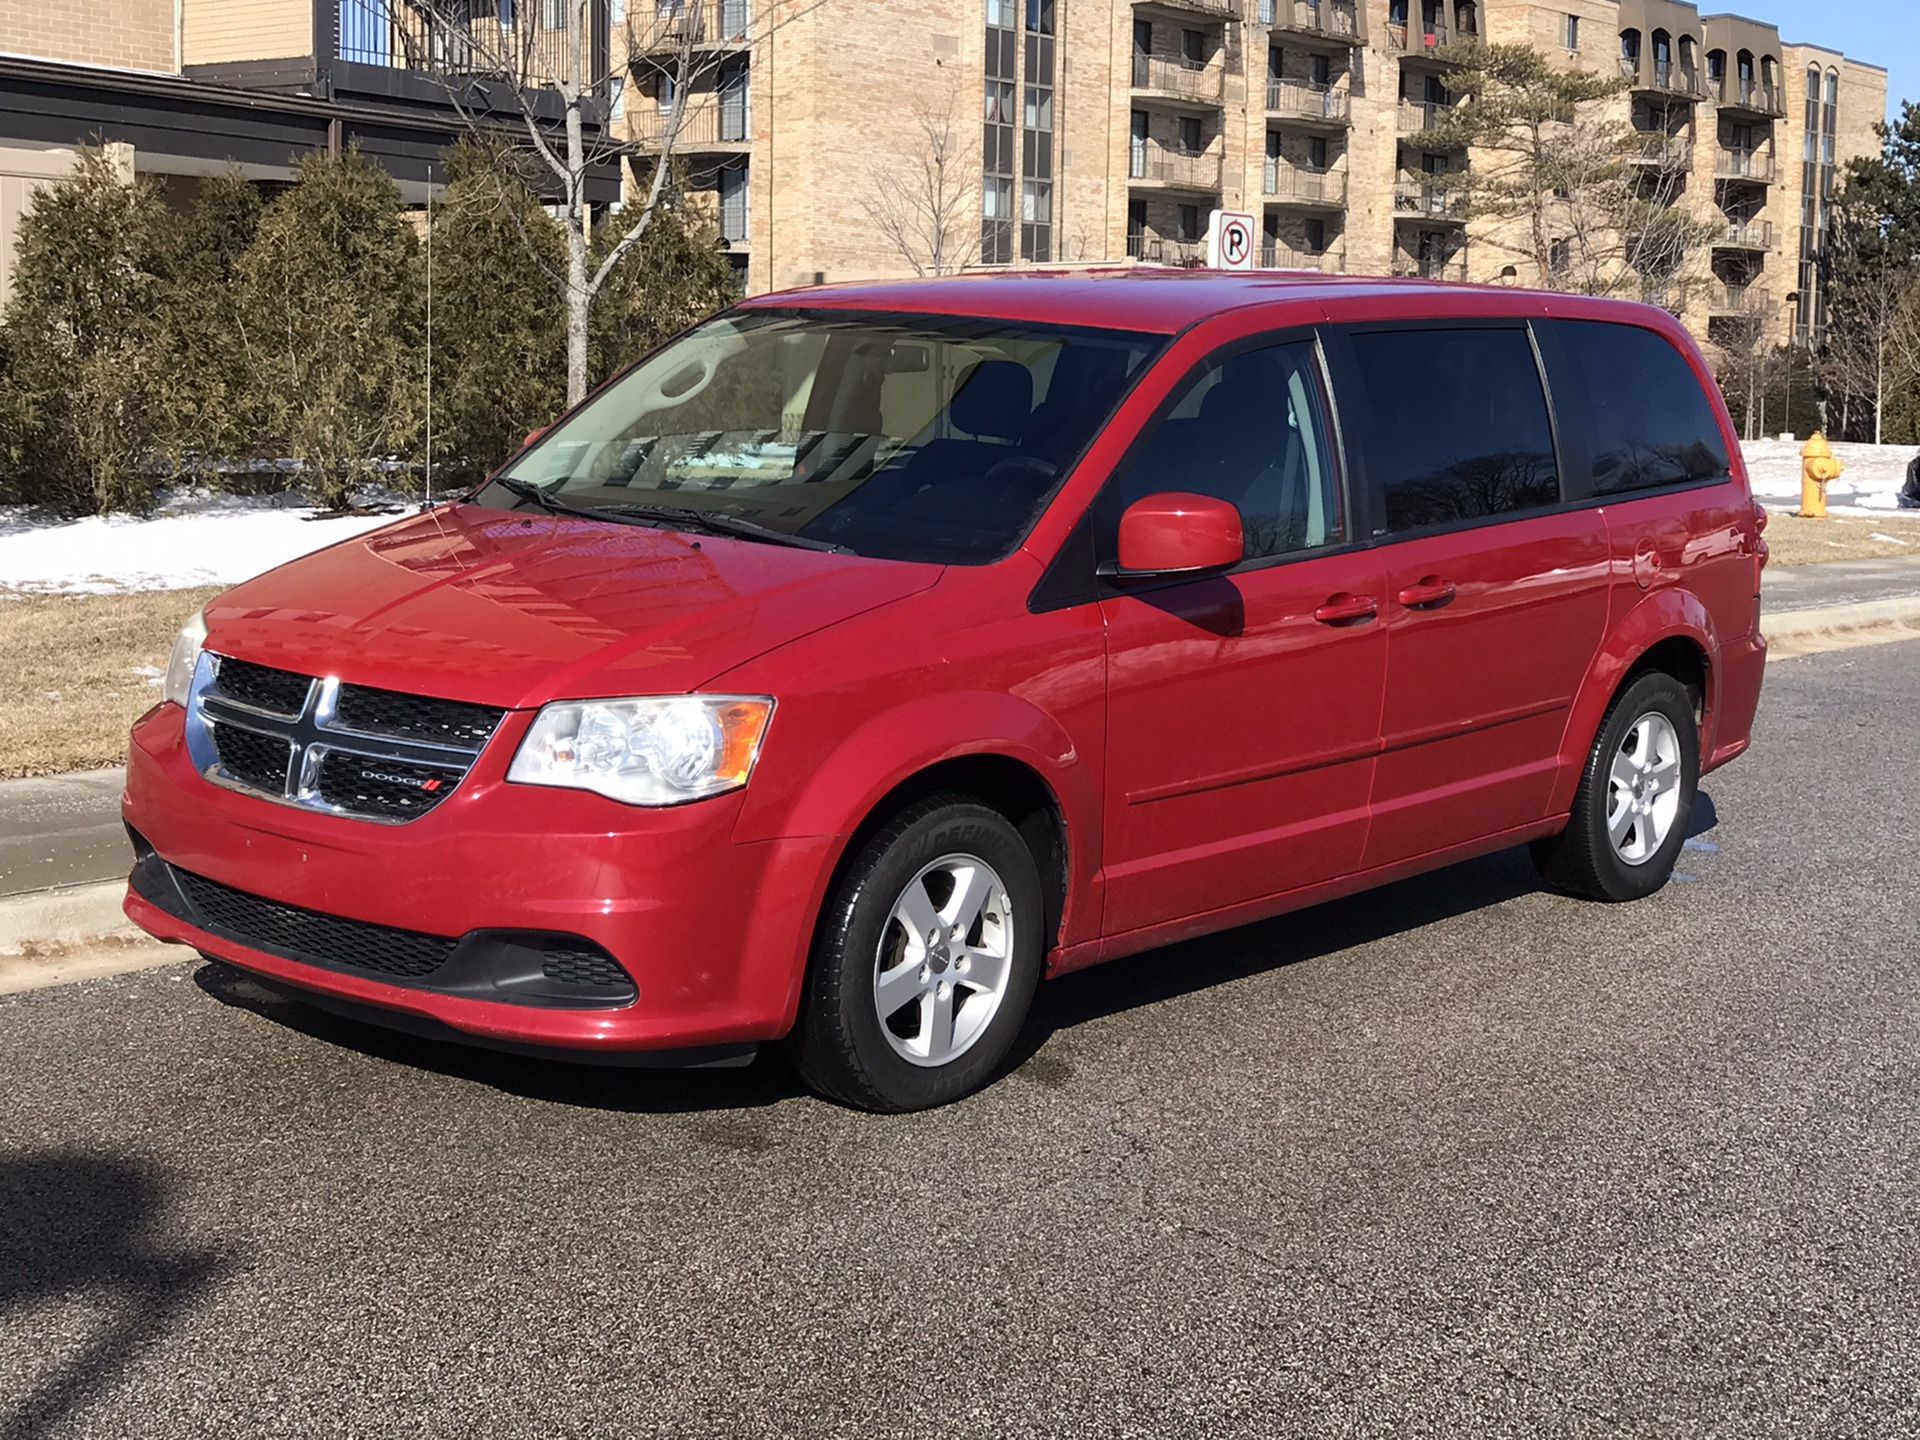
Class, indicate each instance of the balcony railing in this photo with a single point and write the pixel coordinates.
(1754, 165)
(393, 35)
(1671, 153)
(1336, 20)
(704, 126)
(1725, 298)
(1177, 169)
(1158, 250)
(1426, 36)
(1454, 267)
(1418, 117)
(1288, 183)
(1177, 75)
(1426, 199)
(1754, 97)
(1304, 100)
(1274, 256)
(1663, 77)
(1218, 9)
(702, 24)
(1746, 235)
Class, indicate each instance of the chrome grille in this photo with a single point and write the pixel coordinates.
(342, 749)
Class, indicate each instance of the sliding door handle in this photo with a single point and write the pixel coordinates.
(1430, 594)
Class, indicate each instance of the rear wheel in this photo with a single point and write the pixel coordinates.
(1630, 815)
(926, 962)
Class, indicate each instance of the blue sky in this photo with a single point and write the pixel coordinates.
(1881, 32)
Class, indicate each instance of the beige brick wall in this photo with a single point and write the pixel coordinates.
(134, 34)
(221, 32)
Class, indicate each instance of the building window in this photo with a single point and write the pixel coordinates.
(1000, 14)
(616, 98)
(1189, 224)
(1040, 17)
(1190, 134)
(1573, 33)
(559, 13)
(1036, 139)
(1001, 115)
(1193, 45)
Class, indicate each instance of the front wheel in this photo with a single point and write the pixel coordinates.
(1636, 796)
(926, 963)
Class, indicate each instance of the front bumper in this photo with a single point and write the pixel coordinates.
(713, 934)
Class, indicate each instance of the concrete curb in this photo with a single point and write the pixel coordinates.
(73, 915)
(1841, 627)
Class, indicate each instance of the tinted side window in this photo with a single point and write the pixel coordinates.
(1252, 430)
(1457, 426)
(1648, 423)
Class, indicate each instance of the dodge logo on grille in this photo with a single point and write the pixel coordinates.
(412, 782)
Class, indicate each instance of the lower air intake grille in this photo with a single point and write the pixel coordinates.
(583, 967)
(297, 934)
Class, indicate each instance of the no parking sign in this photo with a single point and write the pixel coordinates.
(1230, 241)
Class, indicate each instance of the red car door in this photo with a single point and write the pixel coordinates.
(1495, 597)
(1243, 709)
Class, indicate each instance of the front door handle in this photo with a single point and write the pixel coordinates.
(1430, 594)
(1344, 609)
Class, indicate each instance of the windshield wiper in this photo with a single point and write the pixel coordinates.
(716, 522)
(545, 500)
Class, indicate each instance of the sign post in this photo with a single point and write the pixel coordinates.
(1230, 241)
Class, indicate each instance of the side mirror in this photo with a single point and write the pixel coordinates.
(532, 435)
(1176, 533)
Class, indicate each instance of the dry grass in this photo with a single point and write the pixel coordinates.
(1839, 537)
(72, 681)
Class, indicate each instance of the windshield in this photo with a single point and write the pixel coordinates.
(904, 437)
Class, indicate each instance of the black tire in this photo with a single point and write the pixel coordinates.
(837, 1044)
(1581, 860)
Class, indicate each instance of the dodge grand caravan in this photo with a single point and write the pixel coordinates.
(869, 653)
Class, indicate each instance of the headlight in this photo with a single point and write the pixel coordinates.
(185, 655)
(663, 751)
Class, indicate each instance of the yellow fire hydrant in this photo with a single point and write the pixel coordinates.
(1817, 468)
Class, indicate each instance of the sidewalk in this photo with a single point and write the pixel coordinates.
(64, 832)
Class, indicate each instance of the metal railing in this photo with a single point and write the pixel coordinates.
(1422, 197)
(1754, 165)
(1219, 9)
(1327, 19)
(705, 125)
(1752, 95)
(1177, 75)
(394, 35)
(1747, 235)
(1670, 153)
(1306, 187)
(1664, 76)
(669, 24)
(1726, 298)
(1178, 168)
(1427, 35)
(1305, 100)
(1157, 250)
(1408, 266)
(1274, 256)
(1417, 117)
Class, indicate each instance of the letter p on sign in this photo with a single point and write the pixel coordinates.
(1230, 241)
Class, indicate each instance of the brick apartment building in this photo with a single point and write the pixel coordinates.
(1100, 129)
(1082, 130)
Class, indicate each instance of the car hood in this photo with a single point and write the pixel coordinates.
(513, 609)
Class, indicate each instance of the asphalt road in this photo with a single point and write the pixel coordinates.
(1459, 1158)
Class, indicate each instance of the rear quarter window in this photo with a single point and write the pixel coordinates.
(1646, 423)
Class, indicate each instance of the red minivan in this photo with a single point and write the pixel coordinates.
(870, 652)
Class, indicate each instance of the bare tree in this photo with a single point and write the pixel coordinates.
(927, 204)
(546, 80)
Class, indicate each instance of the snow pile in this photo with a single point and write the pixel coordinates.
(195, 538)
(1869, 486)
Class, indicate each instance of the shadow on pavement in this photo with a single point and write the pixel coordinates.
(79, 1227)
(1103, 990)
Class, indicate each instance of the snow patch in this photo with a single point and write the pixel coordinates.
(1869, 485)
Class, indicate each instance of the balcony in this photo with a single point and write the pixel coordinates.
(1212, 9)
(1751, 100)
(1755, 167)
(1338, 23)
(1179, 78)
(1663, 155)
(1413, 267)
(1158, 250)
(1745, 235)
(1423, 40)
(393, 36)
(1726, 300)
(705, 126)
(696, 24)
(1308, 103)
(1311, 189)
(1174, 169)
(1274, 256)
(1427, 201)
(1421, 117)
(1662, 78)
